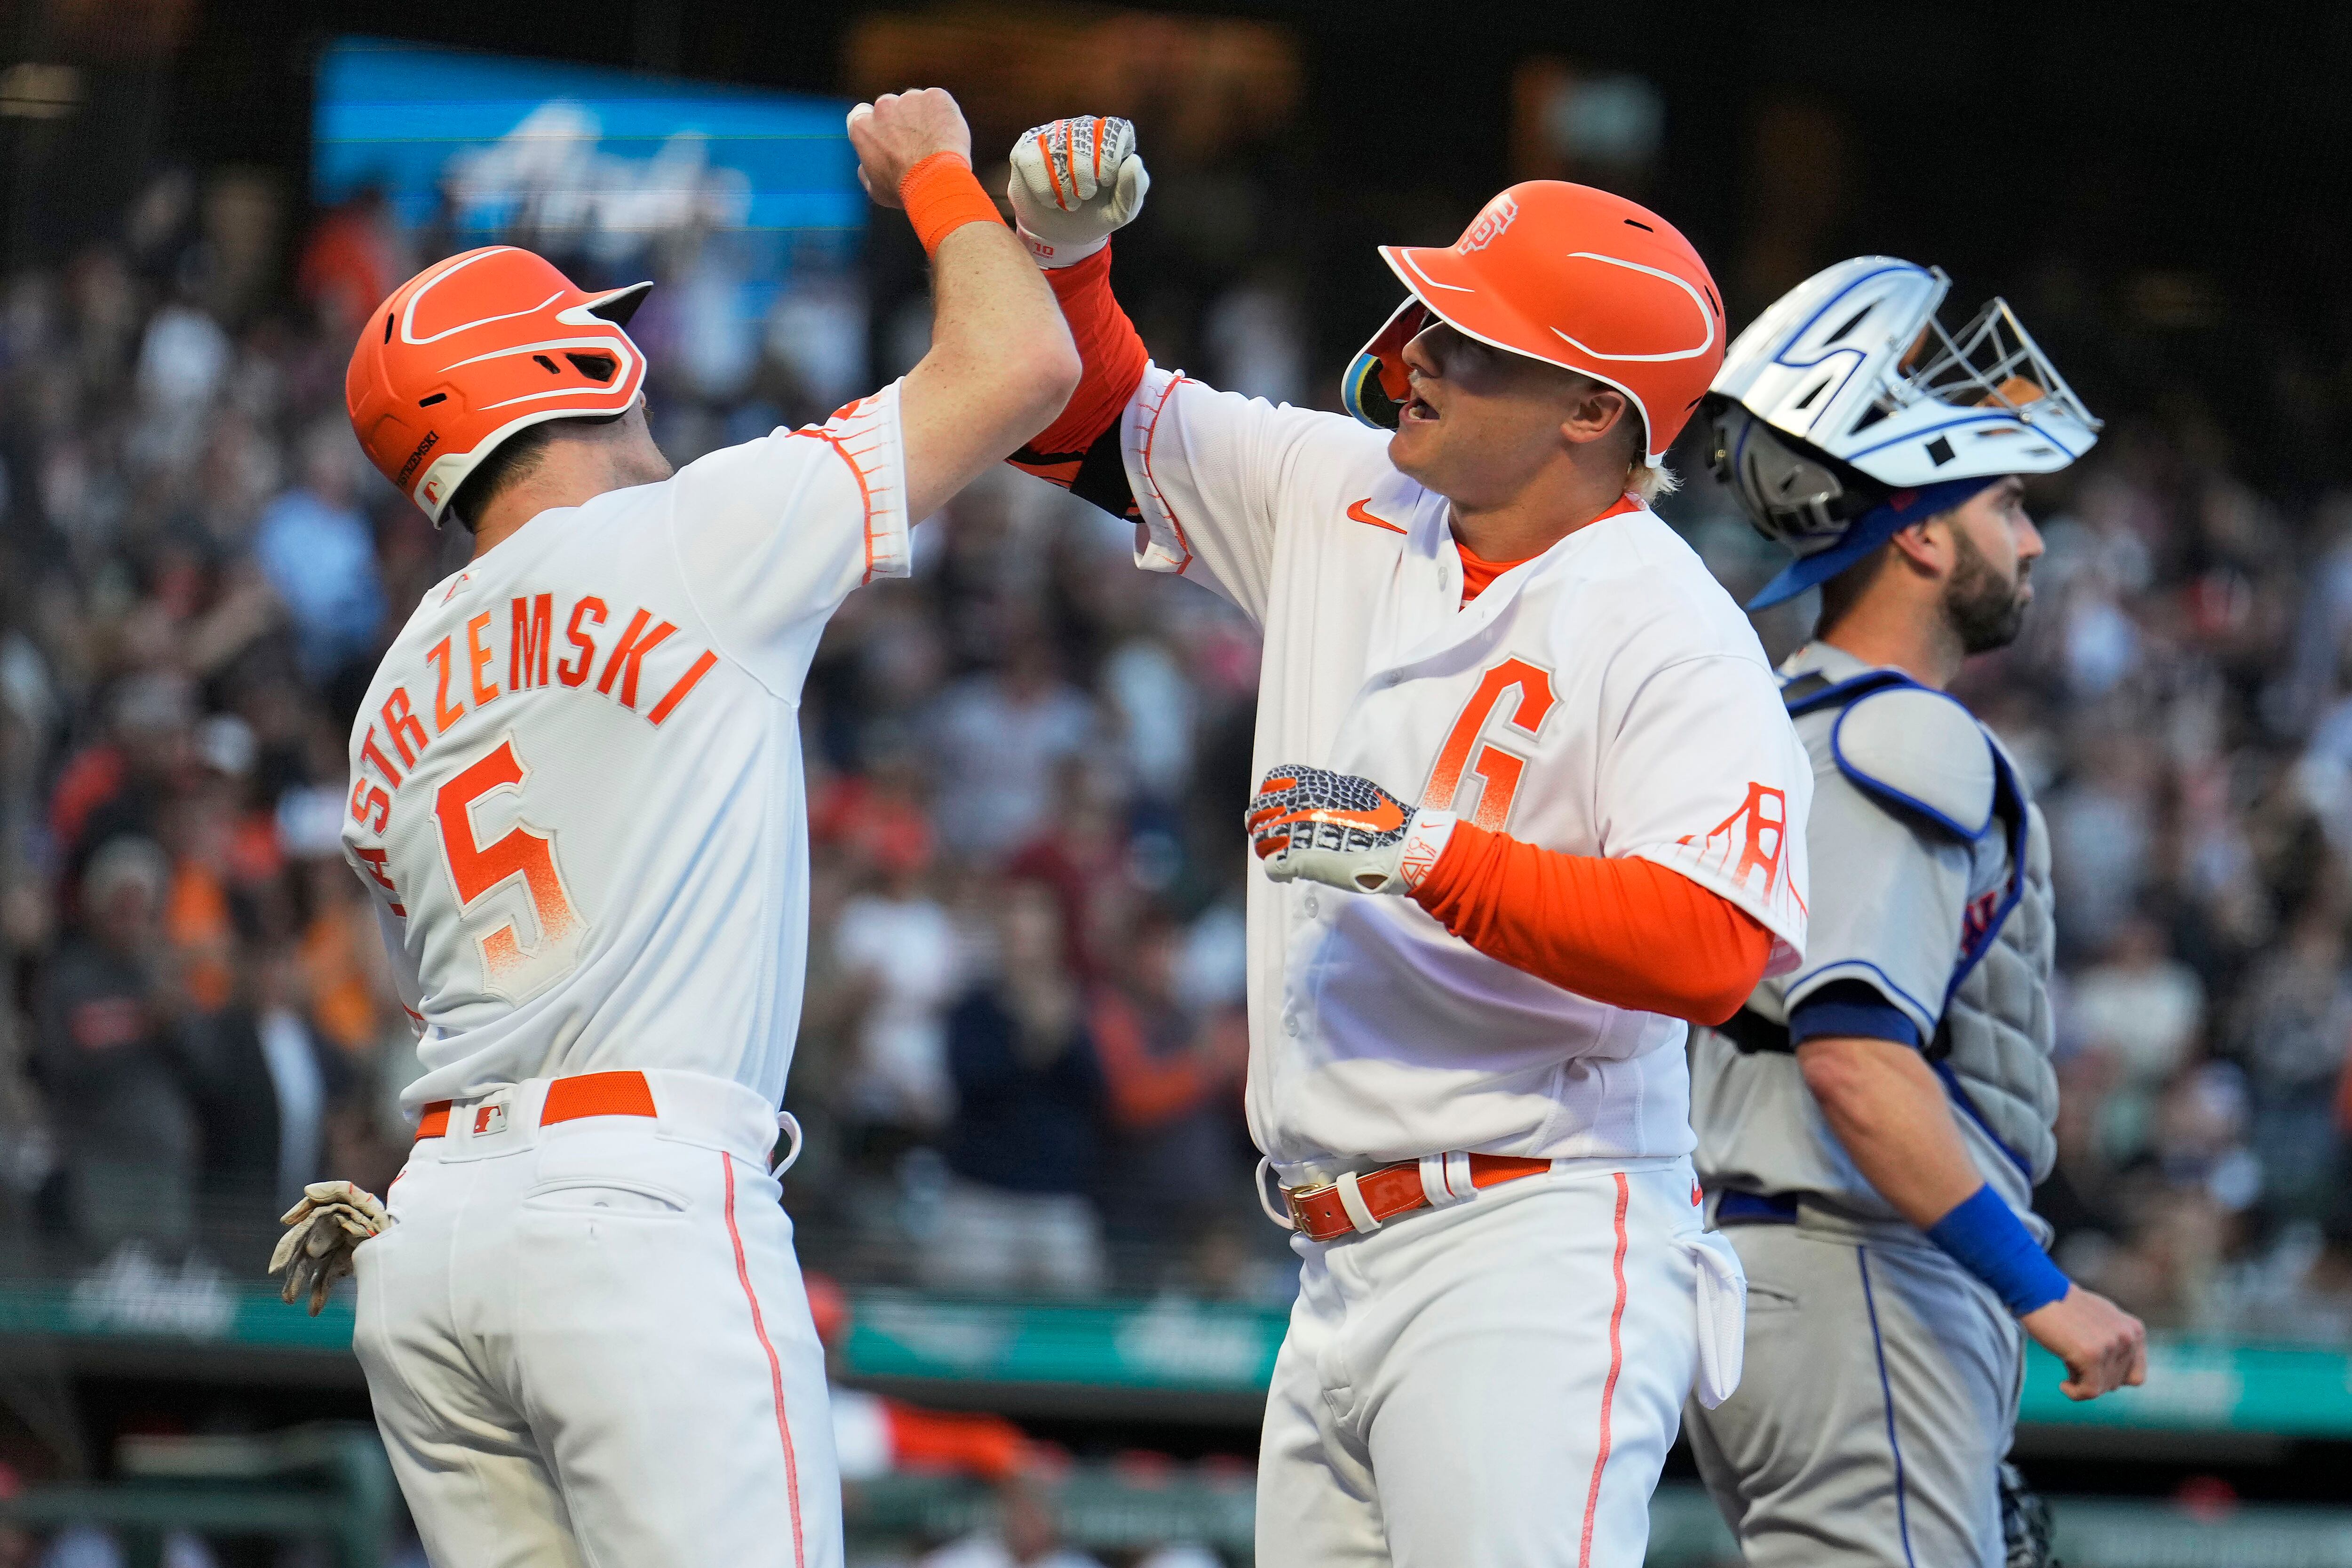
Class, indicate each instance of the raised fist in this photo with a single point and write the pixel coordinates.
(1074, 181)
(1343, 831)
(898, 131)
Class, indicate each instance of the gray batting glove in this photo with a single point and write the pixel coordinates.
(323, 1230)
(1074, 183)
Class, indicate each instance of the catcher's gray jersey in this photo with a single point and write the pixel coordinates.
(1931, 887)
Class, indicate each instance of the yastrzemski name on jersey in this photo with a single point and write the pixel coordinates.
(527, 646)
(576, 783)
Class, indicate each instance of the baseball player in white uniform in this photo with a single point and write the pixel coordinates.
(577, 797)
(1871, 1127)
(1528, 802)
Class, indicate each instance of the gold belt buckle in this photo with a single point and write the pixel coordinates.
(1293, 1199)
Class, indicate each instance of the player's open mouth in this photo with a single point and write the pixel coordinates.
(1418, 408)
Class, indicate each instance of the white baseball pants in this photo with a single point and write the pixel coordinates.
(588, 1345)
(1496, 1383)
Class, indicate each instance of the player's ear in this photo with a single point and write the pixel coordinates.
(1926, 546)
(1593, 412)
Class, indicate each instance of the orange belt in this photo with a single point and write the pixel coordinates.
(568, 1099)
(1321, 1213)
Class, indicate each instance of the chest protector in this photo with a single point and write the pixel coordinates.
(1904, 745)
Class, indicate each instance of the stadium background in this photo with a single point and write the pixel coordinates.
(197, 573)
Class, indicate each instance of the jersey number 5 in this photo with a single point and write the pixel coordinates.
(1498, 771)
(510, 969)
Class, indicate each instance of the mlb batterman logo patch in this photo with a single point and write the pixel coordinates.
(1490, 225)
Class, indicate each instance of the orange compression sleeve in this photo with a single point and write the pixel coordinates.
(1112, 359)
(1621, 930)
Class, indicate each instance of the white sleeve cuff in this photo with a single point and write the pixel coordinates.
(868, 434)
(1161, 545)
(1425, 842)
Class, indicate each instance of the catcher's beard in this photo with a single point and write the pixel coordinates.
(1984, 609)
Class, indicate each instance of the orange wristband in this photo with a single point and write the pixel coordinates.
(941, 195)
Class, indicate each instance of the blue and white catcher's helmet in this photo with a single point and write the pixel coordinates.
(1846, 412)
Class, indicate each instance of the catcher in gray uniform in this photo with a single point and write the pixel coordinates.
(1871, 1127)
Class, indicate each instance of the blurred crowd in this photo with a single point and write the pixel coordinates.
(1020, 1060)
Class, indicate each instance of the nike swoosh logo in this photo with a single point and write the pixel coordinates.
(1357, 513)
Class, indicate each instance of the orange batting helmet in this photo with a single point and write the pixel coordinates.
(472, 350)
(1570, 276)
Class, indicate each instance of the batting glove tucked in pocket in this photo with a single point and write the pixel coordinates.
(1074, 181)
(323, 1230)
(1343, 831)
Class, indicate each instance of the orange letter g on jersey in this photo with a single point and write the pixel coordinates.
(1498, 770)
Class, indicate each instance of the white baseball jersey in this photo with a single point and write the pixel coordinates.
(576, 780)
(1606, 698)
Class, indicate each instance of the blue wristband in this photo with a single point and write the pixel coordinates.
(1985, 1237)
(1852, 1007)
